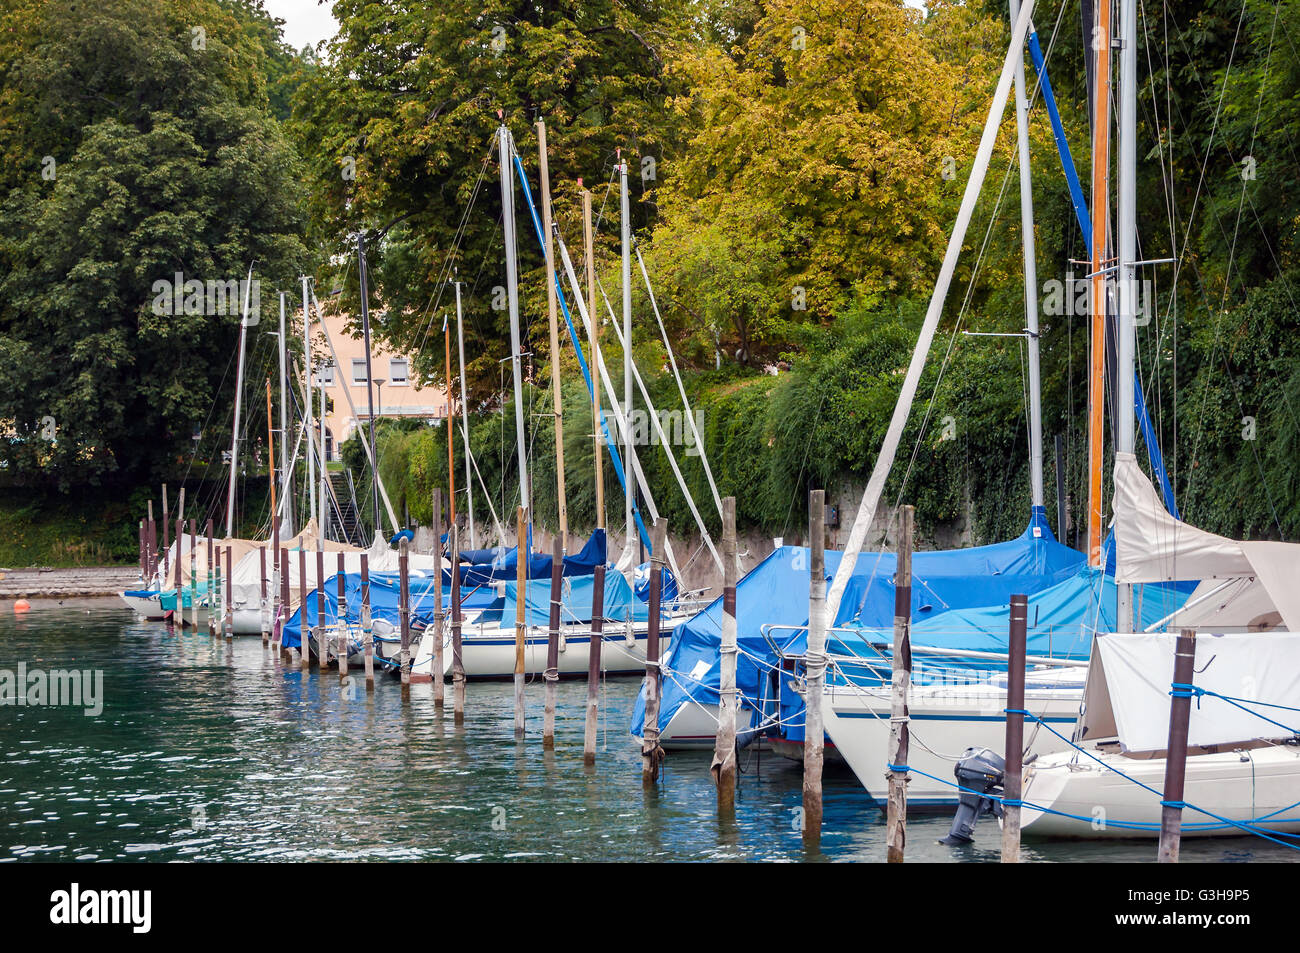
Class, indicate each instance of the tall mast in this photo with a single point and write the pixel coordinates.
(239, 393)
(285, 477)
(1126, 247)
(270, 444)
(306, 387)
(556, 400)
(593, 338)
(512, 289)
(363, 276)
(626, 251)
(324, 473)
(1100, 201)
(464, 419)
(451, 416)
(1031, 283)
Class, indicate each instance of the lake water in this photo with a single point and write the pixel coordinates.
(207, 750)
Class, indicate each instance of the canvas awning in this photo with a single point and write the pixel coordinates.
(1153, 546)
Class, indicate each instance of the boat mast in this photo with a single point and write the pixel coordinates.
(626, 254)
(464, 418)
(324, 474)
(889, 447)
(1126, 247)
(239, 393)
(1031, 284)
(270, 443)
(362, 275)
(306, 387)
(556, 399)
(512, 289)
(593, 338)
(285, 476)
(451, 416)
(1100, 201)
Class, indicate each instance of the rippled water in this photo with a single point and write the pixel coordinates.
(213, 751)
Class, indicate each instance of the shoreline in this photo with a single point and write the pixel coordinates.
(78, 582)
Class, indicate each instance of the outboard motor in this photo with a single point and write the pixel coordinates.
(979, 772)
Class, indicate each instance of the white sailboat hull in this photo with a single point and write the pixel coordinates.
(694, 727)
(1259, 784)
(489, 651)
(945, 721)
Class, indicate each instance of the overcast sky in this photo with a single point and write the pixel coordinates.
(306, 22)
(310, 21)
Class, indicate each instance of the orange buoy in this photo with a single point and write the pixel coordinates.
(22, 605)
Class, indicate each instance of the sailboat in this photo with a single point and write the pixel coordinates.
(1243, 745)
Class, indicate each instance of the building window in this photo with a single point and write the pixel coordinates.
(398, 371)
(325, 374)
(358, 370)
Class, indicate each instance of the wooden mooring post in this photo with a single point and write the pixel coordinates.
(404, 612)
(593, 664)
(194, 574)
(178, 614)
(724, 747)
(439, 617)
(342, 614)
(279, 599)
(1180, 713)
(213, 594)
(264, 606)
(900, 682)
(140, 556)
(367, 628)
(814, 671)
(282, 610)
(305, 660)
(457, 662)
(652, 754)
(322, 637)
(552, 673)
(228, 619)
(521, 619)
(1014, 754)
(166, 546)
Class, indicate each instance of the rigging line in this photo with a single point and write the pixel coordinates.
(435, 298)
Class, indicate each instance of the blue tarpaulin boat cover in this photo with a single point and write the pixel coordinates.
(384, 601)
(775, 593)
(502, 563)
(620, 604)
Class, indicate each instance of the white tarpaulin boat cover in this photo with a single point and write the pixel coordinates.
(1248, 666)
(1153, 546)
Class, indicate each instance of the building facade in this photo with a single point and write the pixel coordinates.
(395, 391)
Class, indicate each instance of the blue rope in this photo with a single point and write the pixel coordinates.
(1185, 690)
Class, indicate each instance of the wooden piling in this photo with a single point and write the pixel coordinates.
(178, 614)
(651, 753)
(900, 681)
(552, 674)
(1180, 712)
(344, 642)
(305, 660)
(228, 623)
(457, 662)
(213, 594)
(139, 539)
(278, 576)
(282, 612)
(724, 749)
(367, 629)
(322, 639)
(1015, 747)
(194, 575)
(439, 617)
(814, 670)
(404, 610)
(593, 665)
(521, 621)
(263, 607)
